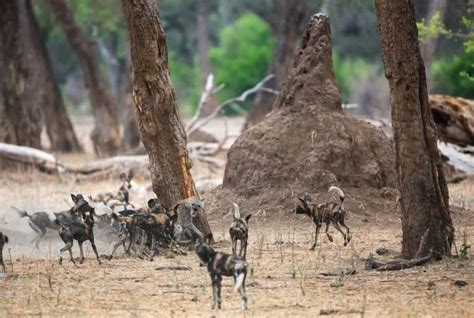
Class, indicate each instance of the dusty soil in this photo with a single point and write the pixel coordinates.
(285, 278)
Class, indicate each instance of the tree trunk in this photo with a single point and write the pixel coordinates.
(58, 125)
(131, 136)
(21, 118)
(423, 190)
(105, 136)
(203, 52)
(429, 47)
(286, 22)
(161, 129)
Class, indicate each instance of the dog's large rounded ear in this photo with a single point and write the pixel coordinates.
(74, 198)
(302, 200)
(247, 218)
(151, 203)
(130, 175)
(122, 176)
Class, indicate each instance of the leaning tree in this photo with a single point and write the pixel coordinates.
(106, 135)
(423, 189)
(20, 116)
(161, 129)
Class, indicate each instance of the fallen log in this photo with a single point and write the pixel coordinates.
(31, 157)
(116, 163)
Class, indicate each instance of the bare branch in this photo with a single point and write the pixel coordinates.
(259, 86)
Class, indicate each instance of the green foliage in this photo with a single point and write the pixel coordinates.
(464, 251)
(431, 29)
(243, 55)
(348, 70)
(185, 79)
(454, 75)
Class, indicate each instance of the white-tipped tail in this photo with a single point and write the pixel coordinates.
(239, 281)
(236, 210)
(339, 192)
(21, 213)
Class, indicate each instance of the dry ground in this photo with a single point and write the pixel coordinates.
(285, 278)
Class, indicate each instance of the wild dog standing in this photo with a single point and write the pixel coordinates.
(239, 231)
(121, 198)
(3, 241)
(328, 213)
(185, 211)
(221, 264)
(40, 222)
(80, 231)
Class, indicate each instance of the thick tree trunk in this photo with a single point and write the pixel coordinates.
(105, 136)
(58, 125)
(161, 129)
(21, 118)
(424, 194)
(429, 47)
(286, 21)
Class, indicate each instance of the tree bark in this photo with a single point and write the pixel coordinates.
(421, 182)
(161, 129)
(286, 21)
(105, 136)
(58, 125)
(131, 136)
(21, 119)
(429, 47)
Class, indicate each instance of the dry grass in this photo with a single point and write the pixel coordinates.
(285, 278)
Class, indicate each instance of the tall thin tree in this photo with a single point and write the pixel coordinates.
(424, 193)
(106, 135)
(58, 125)
(161, 129)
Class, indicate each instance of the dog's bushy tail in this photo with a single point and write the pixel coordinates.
(21, 213)
(339, 192)
(236, 210)
(241, 271)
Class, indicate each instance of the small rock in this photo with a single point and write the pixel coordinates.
(459, 283)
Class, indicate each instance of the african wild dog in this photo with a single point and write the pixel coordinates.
(185, 211)
(80, 230)
(40, 222)
(239, 231)
(3, 241)
(121, 198)
(222, 264)
(328, 213)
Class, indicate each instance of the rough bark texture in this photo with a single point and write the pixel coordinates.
(429, 47)
(21, 118)
(105, 136)
(58, 125)
(424, 194)
(161, 129)
(307, 144)
(286, 22)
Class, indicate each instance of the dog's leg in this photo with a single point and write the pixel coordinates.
(219, 287)
(40, 232)
(94, 248)
(214, 290)
(327, 233)
(116, 246)
(66, 248)
(337, 227)
(316, 234)
(152, 248)
(243, 295)
(81, 260)
(1, 257)
(234, 245)
(341, 221)
(243, 248)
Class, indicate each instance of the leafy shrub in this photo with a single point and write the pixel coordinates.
(243, 55)
(454, 76)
